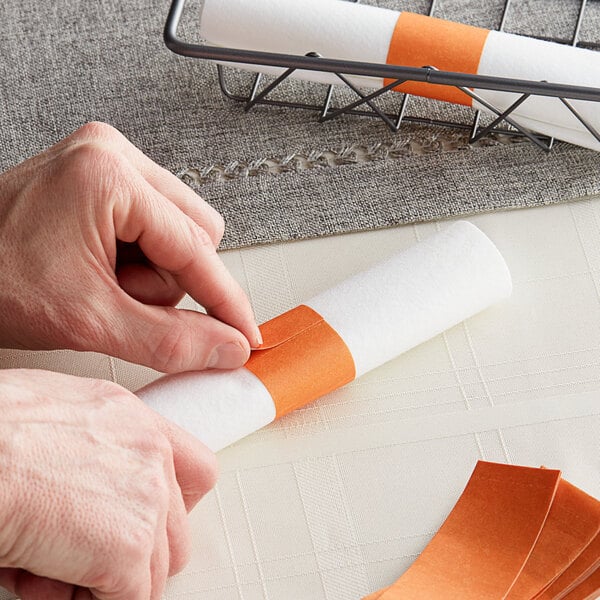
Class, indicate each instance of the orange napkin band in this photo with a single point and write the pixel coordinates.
(301, 359)
(421, 41)
(516, 533)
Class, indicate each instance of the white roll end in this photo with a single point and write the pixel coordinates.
(416, 294)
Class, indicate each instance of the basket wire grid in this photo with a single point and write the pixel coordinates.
(364, 105)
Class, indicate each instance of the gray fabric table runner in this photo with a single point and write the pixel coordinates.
(275, 174)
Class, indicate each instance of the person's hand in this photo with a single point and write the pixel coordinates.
(94, 489)
(99, 244)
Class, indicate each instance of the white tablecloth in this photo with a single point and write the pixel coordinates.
(336, 500)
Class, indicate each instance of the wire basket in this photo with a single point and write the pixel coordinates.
(501, 123)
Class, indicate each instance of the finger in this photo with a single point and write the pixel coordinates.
(167, 339)
(149, 285)
(172, 241)
(196, 467)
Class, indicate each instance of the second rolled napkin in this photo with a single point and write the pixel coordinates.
(339, 29)
(339, 335)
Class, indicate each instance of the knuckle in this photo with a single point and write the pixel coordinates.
(110, 579)
(223, 298)
(201, 239)
(89, 164)
(197, 243)
(155, 492)
(137, 543)
(151, 450)
(163, 449)
(144, 506)
(93, 174)
(113, 394)
(172, 350)
(120, 414)
(96, 130)
(102, 387)
(152, 447)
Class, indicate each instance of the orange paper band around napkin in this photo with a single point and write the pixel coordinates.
(421, 41)
(302, 358)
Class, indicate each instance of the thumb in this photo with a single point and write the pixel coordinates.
(172, 340)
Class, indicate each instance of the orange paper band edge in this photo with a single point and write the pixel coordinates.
(421, 41)
(302, 358)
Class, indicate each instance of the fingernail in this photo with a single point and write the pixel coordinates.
(258, 338)
(227, 356)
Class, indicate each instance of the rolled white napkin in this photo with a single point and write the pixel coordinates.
(340, 334)
(338, 29)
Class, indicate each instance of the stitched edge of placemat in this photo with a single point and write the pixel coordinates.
(363, 196)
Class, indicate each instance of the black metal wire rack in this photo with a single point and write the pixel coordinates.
(364, 105)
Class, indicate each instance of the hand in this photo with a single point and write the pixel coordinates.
(94, 489)
(99, 243)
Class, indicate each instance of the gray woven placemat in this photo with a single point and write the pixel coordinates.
(275, 174)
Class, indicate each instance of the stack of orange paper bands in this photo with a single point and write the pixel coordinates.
(516, 533)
